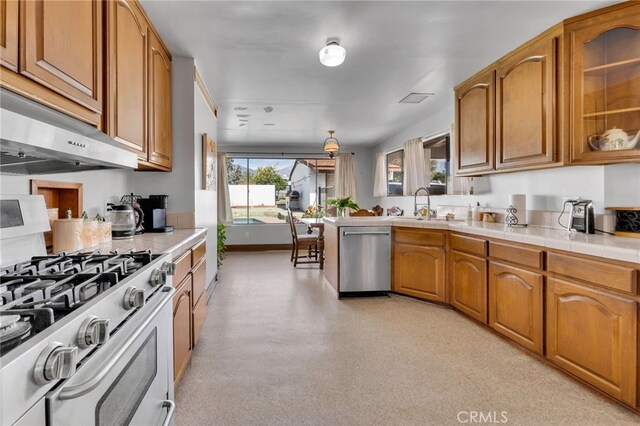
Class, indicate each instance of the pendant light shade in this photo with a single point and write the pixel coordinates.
(332, 54)
(331, 144)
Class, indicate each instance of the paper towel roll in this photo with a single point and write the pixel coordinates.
(519, 202)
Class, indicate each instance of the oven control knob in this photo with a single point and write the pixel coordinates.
(93, 332)
(169, 268)
(158, 277)
(133, 298)
(56, 362)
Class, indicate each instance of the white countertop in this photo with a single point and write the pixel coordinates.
(607, 246)
(175, 242)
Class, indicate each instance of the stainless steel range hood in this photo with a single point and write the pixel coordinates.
(37, 140)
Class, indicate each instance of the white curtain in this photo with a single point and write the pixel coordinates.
(224, 202)
(415, 175)
(380, 178)
(345, 176)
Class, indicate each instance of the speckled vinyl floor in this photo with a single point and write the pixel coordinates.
(278, 349)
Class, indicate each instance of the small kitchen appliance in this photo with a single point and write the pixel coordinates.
(155, 213)
(124, 221)
(581, 218)
(85, 337)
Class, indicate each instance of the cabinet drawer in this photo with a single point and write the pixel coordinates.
(183, 266)
(199, 315)
(199, 281)
(198, 252)
(469, 244)
(524, 256)
(418, 237)
(617, 277)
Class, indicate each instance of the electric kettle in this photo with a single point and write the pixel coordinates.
(123, 220)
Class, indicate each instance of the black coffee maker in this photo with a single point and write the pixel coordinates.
(155, 213)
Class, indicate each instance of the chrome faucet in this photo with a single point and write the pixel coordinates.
(430, 213)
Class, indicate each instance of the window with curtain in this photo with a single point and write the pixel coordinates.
(437, 163)
(262, 189)
(395, 173)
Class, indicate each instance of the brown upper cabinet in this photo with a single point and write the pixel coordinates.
(127, 95)
(159, 116)
(63, 57)
(525, 107)
(127, 42)
(139, 86)
(605, 84)
(475, 109)
(569, 96)
(9, 34)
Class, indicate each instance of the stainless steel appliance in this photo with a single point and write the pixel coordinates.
(155, 213)
(581, 216)
(36, 140)
(365, 253)
(85, 337)
(124, 220)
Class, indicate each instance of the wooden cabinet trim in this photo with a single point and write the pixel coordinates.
(36, 66)
(418, 236)
(522, 323)
(9, 35)
(463, 243)
(545, 53)
(530, 257)
(597, 272)
(613, 368)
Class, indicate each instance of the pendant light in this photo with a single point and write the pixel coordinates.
(331, 144)
(332, 54)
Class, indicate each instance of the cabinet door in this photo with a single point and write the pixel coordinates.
(515, 304)
(593, 335)
(469, 284)
(182, 333)
(127, 80)
(62, 48)
(605, 87)
(199, 315)
(199, 280)
(159, 104)
(475, 121)
(419, 271)
(525, 107)
(9, 34)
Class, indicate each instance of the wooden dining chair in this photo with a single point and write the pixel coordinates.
(312, 245)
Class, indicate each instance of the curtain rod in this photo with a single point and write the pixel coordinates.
(282, 154)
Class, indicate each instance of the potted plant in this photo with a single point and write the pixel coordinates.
(222, 236)
(342, 204)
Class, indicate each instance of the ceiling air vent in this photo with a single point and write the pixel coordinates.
(268, 109)
(415, 98)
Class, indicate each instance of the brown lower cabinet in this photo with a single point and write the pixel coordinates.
(182, 327)
(189, 305)
(419, 271)
(593, 335)
(468, 280)
(515, 304)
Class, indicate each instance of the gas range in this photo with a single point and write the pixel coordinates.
(37, 293)
(84, 337)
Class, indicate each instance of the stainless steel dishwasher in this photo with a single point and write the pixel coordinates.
(365, 260)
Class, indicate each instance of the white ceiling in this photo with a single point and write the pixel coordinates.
(265, 53)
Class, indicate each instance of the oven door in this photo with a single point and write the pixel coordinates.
(129, 380)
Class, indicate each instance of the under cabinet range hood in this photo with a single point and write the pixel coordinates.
(37, 140)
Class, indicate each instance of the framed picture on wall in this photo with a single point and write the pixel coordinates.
(209, 163)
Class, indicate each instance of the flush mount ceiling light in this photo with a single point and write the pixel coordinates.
(332, 54)
(331, 144)
(415, 98)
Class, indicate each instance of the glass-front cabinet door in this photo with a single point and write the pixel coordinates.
(605, 76)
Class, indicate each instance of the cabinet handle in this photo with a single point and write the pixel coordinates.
(171, 407)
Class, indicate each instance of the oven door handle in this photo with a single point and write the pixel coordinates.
(171, 407)
(75, 391)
